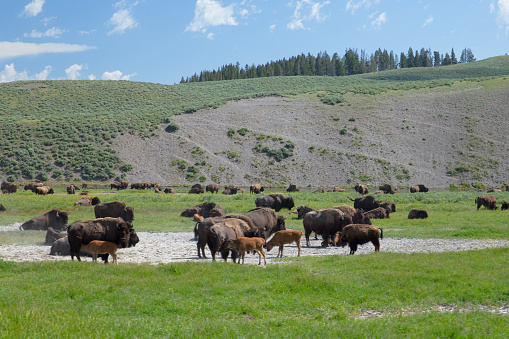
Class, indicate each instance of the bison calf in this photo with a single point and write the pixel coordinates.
(243, 244)
(96, 247)
(284, 237)
(359, 234)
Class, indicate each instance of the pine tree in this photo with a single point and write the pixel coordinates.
(436, 58)
(454, 61)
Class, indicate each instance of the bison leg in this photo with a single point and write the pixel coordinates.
(308, 233)
(280, 252)
(376, 243)
(298, 246)
(260, 253)
(353, 248)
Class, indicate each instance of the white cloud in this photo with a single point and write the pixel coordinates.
(379, 21)
(503, 11)
(44, 74)
(16, 49)
(122, 20)
(52, 33)
(210, 36)
(91, 77)
(46, 21)
(211, 13)
(272, 28)
(73, 72)
(353, 5)
(306, 10)
(10, 74)
(117, 75)
(33, 8)
(428, 21)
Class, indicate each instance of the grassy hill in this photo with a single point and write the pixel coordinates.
(87, 130)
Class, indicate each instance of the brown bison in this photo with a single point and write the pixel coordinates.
(276, 201)
(386, 188)
(388, 206)
(169, 190)
(326, 222)
(116, 185)
(196, 189)
(32, 185)
(52, 236)
(230, 190)
(71, 189)
(114, 209)
(417, 214)
(87, 201)
(8, 187)
(212, 188)
(256, 189)
(489, 201)
(505, 206)
(266, 221)
(378, 213)
(242, 245)
(205, 209)
(44, 190)
(302, 210)
(138, 186)
(2, 208)
(200, 233)
(292, 188)
(115, 230)
(283, 237)
(418, 188)
(361, 189)
(54, 218)
(359, 234)
(366, 203)
(338, 189)
(216, 236)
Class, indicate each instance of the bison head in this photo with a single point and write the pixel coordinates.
(95, 201)
(133, 238)
(289, 203)
(128, 214)
(124, 232)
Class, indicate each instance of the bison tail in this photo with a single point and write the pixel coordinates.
(350, 198)
(381, 233)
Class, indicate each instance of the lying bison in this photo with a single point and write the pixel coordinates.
(386, 188)
(417, 214)
(292, 188)
(418, 188)
(489, 201)
(54, 218)
(114, 209)
(366, 203)
(53, 235)
(276, 201)
(8, 187)
(87, 201)
(378, 213)
(115, 230)
(196, 189)
(44, 190)
(359, 234)
(326, 222)
(361, 189)
(206, 209)
(230, 190)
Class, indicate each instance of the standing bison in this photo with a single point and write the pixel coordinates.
(489, 201)
(276, 201)
(359, 234)
(8, 187)
(114, 209)
(115, 230)
(216, 236)
(256, 189)
(54, 218)
(366, 203)
(326, 222)
(266, 221)
(505, 206)
(212, 188)
(417, 214)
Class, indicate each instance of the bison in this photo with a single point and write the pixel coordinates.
(212, 188)
(366, 203)
(44, 190)
(32, 185)
(96, 247)
(138, 186)
(256, 189)
(386, 188)
(200, 232)
(230, 190)
(489, 201)
(2, 208)
(361, 189)
(216, 236)
(417, 214)
(242, 245)
(302, 210)
(52, 236)
(418, 188)
(378, 213)
(115, 230)
(169, 190)
(326, 222)
(116, 185)
(505, 206)
(196, 189)
(87, 201)
(71, 189)
(359, 234)
(205, 209)
(292, 188)
(276, 201)
(54, 218)
(266, 221)
(283, 237)
(8, 187)
(114, 209)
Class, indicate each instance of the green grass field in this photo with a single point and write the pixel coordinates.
(380, 295)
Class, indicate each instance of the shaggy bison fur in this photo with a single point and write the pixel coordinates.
(489, 201)
(417, 214)
(359, 234)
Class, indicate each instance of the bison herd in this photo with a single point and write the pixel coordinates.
(230, 235)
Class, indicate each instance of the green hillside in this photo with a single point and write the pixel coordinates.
(63, 130)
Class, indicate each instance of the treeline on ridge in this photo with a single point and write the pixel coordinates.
(323, 65)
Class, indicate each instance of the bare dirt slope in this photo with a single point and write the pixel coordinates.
(436, 137)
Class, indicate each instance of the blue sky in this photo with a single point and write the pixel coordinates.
(162, 40)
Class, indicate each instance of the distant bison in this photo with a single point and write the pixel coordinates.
(205, 209)
(256, 189)
(276, 201)
(489, 201)
(169, 190)
(378, 213)
(8, 187)
(87, 201)
(362, 189)
(417, 214)
(114, 209)
(359, 234)
(43, 190)
(292, 188)
(54, 218)
(32, 185)
(212, 188)
(366, 203)
(196, 189)
(418, 188)
(505, 206)
(230, 190)
(386, 188)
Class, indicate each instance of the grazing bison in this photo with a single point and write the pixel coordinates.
(256, 189)
(8, 187)
(138, 186)
(326, 222)
(212, 188)
(43, 190)
(386, 188)
(292, 188)
(378, 213)
(276, 201)
(169, 190)
(489, 201)
(230, 190)
(114, 209)
(242, 245)
(205, 209)
(366, 203)
(359, 234)
(417, 214)
(54, 218)
(32, 185)
(196, 189)
(116, 185)
(266, 221)
(216, 236)
(87, 201)
(505, 206)
(2, 208)
(283, 237)
(362, 189)
(115, 230)
(52, 236)
(418, 188)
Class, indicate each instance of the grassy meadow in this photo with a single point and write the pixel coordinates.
(381, 295)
